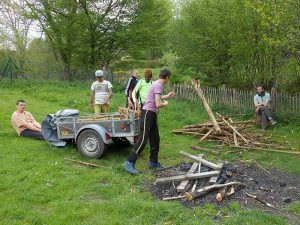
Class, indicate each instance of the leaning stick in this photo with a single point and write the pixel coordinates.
(200, 94)
(196, 181)
(206, 135)
(203, 161)
(203, 191)
(235, 139)
(83, 163)
(238, 133)
(260, 200)
(182, 186)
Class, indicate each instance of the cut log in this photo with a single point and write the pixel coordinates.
(203, 191)
(182, 186)
(214, 152)
(203, 161)
(260, 200)
(185, 177)
(196, 182)
(223, 193)
(200, 94)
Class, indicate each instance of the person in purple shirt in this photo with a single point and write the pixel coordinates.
(148, 124)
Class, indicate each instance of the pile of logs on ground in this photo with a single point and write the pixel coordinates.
(228, 132)
(194, 176)
(193, 184)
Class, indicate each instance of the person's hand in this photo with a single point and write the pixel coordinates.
(136, 106)
(129, 102)
(257, 109)
(166, 103)
(171, 95)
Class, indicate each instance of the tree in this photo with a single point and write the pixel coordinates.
(239, 43)
(14, 28)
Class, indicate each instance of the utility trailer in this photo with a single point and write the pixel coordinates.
(91, 133)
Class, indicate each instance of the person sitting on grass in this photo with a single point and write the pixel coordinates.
(262, 107)
(141, 90)
(25, 124)
(131, 83)
(148, 124)
(101, 93)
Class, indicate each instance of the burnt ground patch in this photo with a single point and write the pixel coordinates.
(274, 186)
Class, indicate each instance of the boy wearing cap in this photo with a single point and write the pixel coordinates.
(101, 93)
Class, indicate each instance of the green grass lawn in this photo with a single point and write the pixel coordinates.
(39, 187)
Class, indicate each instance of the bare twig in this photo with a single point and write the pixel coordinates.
(260, 200)
(83, 163)
(173, 198)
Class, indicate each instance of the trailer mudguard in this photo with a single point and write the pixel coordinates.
(99, 129)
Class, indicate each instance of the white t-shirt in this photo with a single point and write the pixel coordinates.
(101, 91)
(262, 99)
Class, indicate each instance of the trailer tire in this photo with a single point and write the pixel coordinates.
(90, 144)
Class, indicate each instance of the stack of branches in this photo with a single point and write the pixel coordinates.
(228, 132)
(231, 133)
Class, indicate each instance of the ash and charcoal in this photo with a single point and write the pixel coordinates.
(276, 187)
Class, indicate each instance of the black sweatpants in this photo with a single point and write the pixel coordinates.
(148, 130)
(32, 134)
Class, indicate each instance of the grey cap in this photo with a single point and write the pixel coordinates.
(99, 73)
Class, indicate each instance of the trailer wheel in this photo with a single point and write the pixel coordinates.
(90, 144)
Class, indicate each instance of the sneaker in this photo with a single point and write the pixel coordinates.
(157, 165)
(273, 122)
(129, 166)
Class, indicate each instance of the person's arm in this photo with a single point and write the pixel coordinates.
(127, 87)
(92, 99)
(168, 96)
(37, 124)
(109, 94)
(256, 104)
(159, 103)
(135, 91)
(21, 122)
(31, 126)
(34, 122)
(268, 99)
